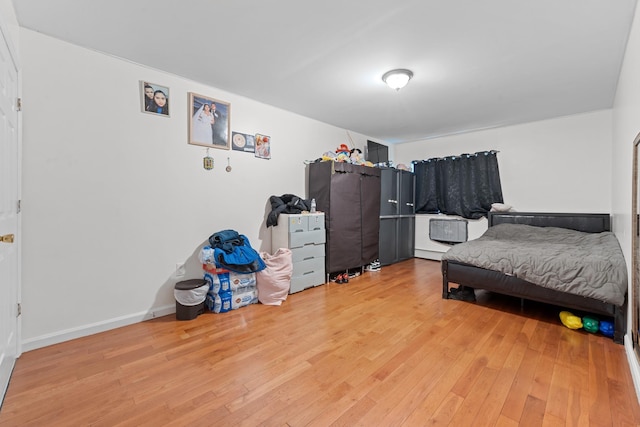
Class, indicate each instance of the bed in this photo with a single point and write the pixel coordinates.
(480, 275)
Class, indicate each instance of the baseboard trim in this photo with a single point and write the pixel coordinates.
(94, 328)
(427, 254)
(634, 367)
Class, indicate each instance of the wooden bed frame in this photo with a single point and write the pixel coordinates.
(480, 278)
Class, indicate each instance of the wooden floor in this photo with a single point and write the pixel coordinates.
(383, 350)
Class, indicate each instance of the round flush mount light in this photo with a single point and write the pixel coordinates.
(397, 79)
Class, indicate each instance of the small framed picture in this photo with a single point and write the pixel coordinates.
(154, 99)
(263, 146)
(243, 142)
(209, 122)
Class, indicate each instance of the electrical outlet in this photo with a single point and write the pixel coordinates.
(180, 269)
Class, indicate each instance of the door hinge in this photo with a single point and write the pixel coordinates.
(19, 206)
(19, 310)
(19, 104)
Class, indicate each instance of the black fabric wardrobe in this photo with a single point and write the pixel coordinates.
(349, 195)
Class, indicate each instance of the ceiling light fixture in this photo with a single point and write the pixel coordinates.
(397, 79)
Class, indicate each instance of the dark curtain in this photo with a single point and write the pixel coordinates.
(463, 185)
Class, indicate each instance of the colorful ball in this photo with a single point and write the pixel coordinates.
(606, 328)
(570, 321)
(590, 324)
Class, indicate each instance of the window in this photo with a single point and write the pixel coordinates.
(464, 185)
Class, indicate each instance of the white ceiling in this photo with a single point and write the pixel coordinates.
(476, 63)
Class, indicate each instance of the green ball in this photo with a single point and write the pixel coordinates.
(590, 324)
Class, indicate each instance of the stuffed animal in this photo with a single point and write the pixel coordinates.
(356, 156)
(343, 149)
(342, 158)
(329, 156)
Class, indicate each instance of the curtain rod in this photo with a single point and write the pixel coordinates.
(485, 152)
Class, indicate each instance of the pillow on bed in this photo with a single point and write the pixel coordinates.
(500, 207)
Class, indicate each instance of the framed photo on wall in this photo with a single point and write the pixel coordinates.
(154, 99)
(209, 122)
(243, 142)
(263, 146)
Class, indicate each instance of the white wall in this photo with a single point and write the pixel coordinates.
(9, 22)
(626, 126)
(557, 165)
(113, 198)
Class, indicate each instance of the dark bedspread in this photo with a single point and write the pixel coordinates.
(586, 264)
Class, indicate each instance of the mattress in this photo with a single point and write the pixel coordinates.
(586, 264)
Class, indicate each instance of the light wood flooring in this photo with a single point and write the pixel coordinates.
(383, 350)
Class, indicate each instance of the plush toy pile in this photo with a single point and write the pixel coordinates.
(345, 155)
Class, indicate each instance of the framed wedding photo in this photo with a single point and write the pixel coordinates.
(154, 99)
(209, 122)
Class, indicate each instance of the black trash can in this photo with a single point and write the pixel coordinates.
(190, 296)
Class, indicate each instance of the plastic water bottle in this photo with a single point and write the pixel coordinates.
(313, 205)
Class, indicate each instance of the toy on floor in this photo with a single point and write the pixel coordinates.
(590, 324)
(606, 328)
(570, 321)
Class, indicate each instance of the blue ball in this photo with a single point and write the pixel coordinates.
(606, 328)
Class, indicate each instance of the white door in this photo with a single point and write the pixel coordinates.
(9, 216)
(634, 299)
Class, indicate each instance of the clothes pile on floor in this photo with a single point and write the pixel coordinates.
(230, 265)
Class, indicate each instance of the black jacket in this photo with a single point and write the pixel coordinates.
(287, 203)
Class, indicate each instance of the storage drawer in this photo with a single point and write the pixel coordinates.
(315, 222)
(297, 223)
(298, 240)
(308, 280)
(308, 266)
(307, 252)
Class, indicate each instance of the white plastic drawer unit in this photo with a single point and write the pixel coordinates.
(305, 236)
(297, 232)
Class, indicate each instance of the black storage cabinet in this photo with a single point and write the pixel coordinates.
(397, 216)
(349, 196)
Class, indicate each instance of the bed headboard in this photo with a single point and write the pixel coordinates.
(587, 222)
